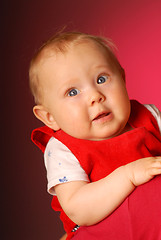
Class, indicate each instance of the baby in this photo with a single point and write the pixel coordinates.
(99, 146)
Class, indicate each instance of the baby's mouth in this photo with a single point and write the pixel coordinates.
(101, 115)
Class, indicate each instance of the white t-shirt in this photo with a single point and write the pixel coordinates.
(62, 166)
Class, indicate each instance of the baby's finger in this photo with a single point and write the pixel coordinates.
(157, 158)
(155, 171)
(157, 163)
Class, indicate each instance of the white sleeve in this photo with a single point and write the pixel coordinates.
(61, 165)
(155, 112)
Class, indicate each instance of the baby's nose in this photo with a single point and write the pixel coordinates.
(96, 97)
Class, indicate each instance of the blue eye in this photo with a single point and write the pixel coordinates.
(102, 79)
(73, 92)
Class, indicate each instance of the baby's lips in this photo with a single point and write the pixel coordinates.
(101, 115)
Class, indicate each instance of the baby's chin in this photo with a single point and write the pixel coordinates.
(92, 137)
(112, 135)
(100, 134)
(95, 138)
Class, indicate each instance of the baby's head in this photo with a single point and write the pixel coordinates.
(79, 86)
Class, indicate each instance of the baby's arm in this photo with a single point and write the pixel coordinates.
(88, 203)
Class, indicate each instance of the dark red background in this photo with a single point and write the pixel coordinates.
(135, 27)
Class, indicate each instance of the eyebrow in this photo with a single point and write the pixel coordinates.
(106, 67)
(66, 85)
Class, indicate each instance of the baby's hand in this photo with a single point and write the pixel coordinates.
(143, 170)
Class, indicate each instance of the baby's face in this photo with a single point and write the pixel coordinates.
(84, 93)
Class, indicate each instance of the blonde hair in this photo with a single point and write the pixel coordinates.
(61, 42)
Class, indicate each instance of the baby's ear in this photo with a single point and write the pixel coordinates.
(43, 115)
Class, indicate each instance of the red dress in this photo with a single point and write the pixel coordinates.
(139, 216)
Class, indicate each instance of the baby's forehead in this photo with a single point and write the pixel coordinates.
(54, 50)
